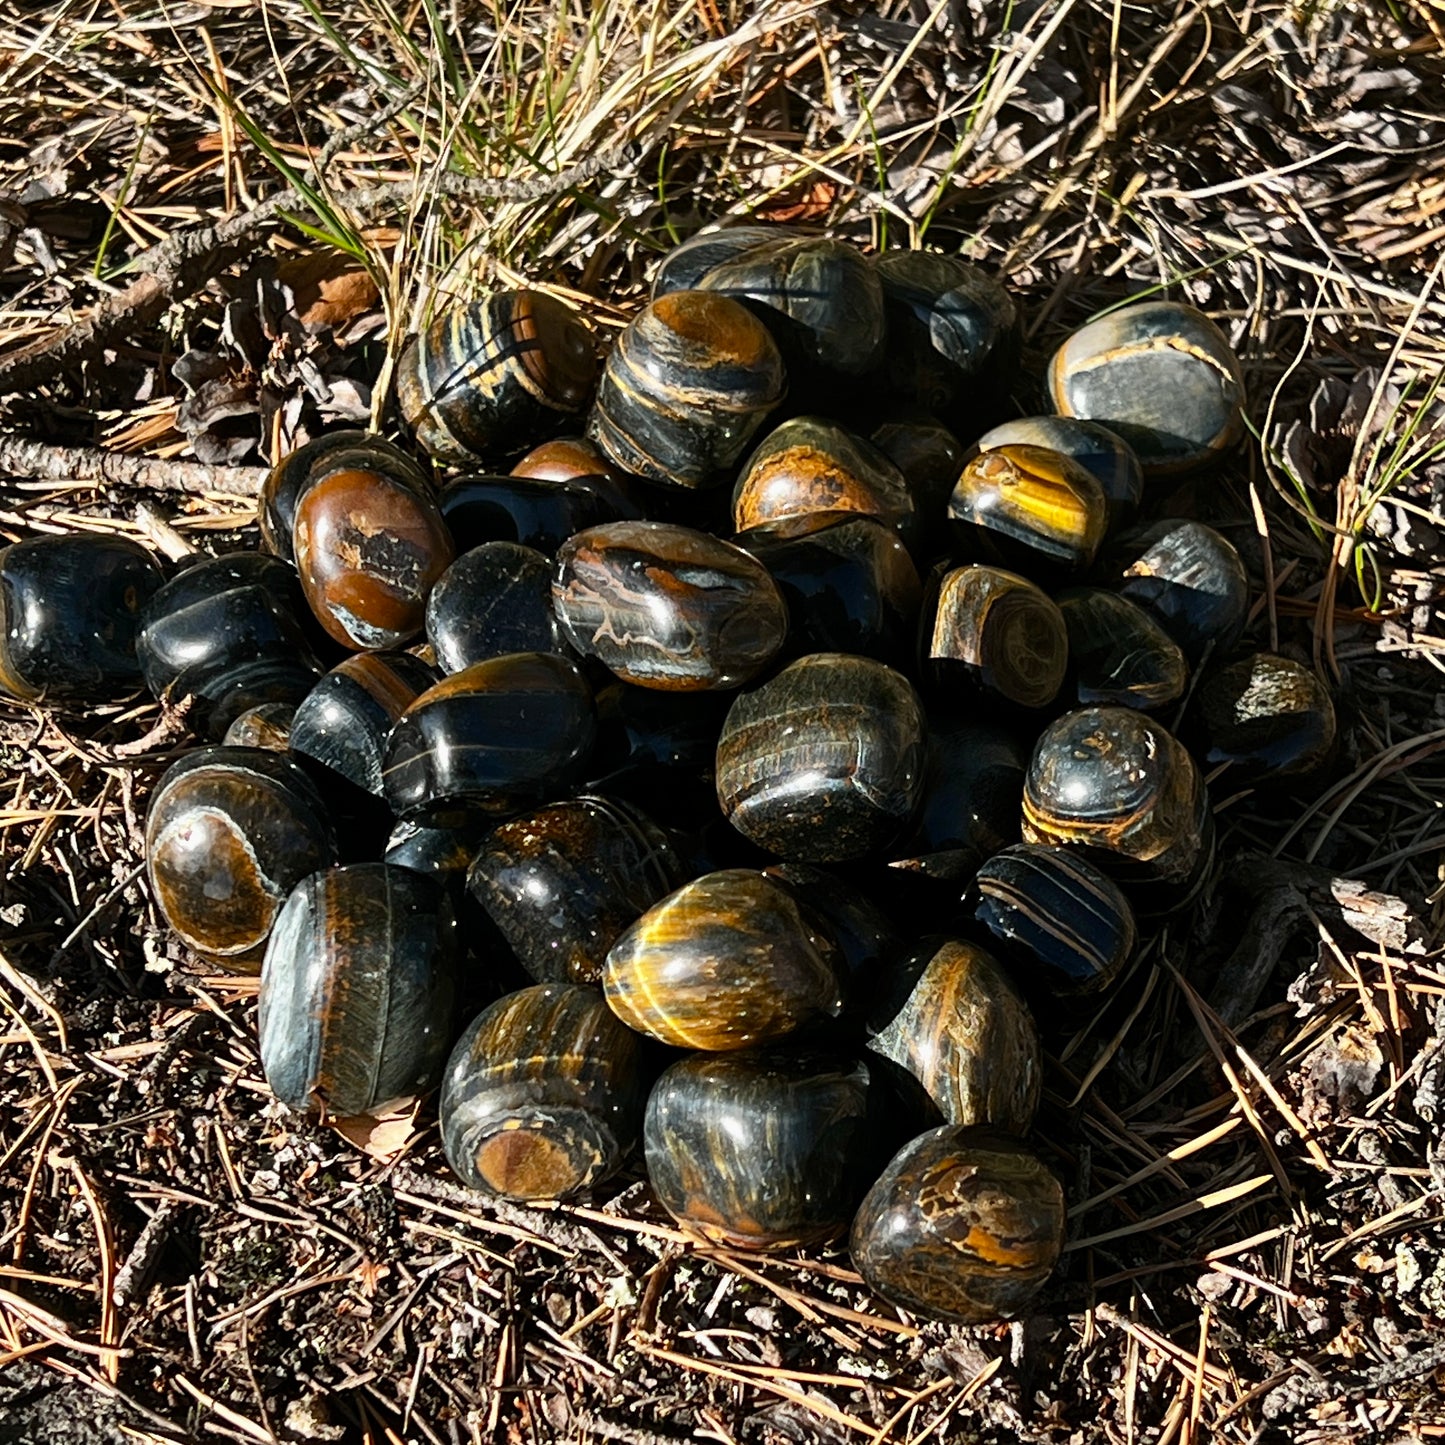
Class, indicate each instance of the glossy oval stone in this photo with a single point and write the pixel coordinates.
(536, 512)
(1108, 458)
(810, 465)
(951, 328)
(70, 615)
(820, 298)
(368, 549)
(995, 633)
(1120, 785)
(543, 1095)
(265, 726)
(227, 631)
(1118, 654)
(972, 793)
(847, 581)
(562, 883)
(496, 736)
(358, 990)
(761, 1150)
(668, 607)
(229, 833)
(1189, 578)
(495, 599)
(1268, 717)
(299, 470)
(1056, 917)
(685, 388)
(684, 266)
(824, 762)
(1031, 507)
(345, 721)
(960, 1037)
(276, 505)
(726, 961)
(1162, 376)
(496, 374)
(963, 1225)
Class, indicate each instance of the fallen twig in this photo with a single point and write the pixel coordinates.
(40, 461)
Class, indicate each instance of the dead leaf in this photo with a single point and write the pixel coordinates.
(383, 1136)
(330, 289)
(817, 200)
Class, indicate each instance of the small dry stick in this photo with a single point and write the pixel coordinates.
(131, 1276)
(156, 526)
(41, 462)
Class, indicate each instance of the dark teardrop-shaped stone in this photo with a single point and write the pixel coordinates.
(227, 631)
(229, 832)
(965, 1225)
(960, 1037)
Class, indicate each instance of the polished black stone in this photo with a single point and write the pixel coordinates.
(820, 298)
(1187, 576)
(1160, 374)
(684, 266)
(1064, 924)
(1118, 653)
(501, 734)
(345, 721)
(953, 331)
(562, 883)
(228, 630)
(70, 614)
(495, 599)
